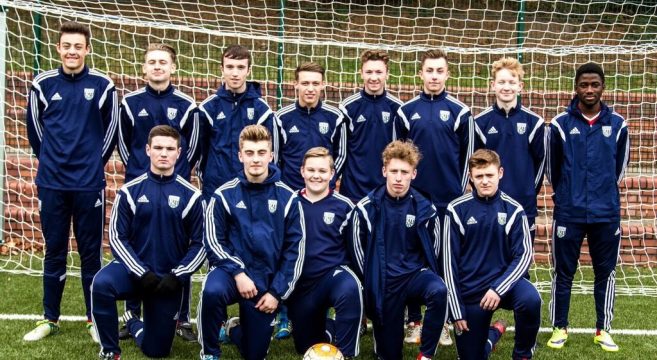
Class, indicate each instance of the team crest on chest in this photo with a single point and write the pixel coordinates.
(250, 113)
(89, 93)
(174, 201)
(273, 204)
(501, 218)
(444, 115)
(606, 131)
(561, 231)
(323, 127)
(521, 127)
(410, 220)
(329, 217)
(385, 116)
(171, 113)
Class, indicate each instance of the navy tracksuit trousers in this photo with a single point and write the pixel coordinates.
(604, 245)
(87, 211)
(338, 289)
(155, 334)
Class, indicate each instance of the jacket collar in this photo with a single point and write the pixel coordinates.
(429, 97)
(160, 93)
(73, 77)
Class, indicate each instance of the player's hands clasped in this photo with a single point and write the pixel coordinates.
(169, 285)
(245, 286)
(267, 303)
(490, 301)
(149, 282)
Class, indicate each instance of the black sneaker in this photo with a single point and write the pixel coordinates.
(124, 334)
(185, 331)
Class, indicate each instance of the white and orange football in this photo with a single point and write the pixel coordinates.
(323, 351)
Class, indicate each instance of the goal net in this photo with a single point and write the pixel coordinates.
(551, 38)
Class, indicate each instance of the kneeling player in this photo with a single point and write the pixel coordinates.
(487, 250)
(396, 235)
(156, 237)
(326, 280)
(255, 238)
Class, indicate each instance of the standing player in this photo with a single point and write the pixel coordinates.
(236, 104)
(255, 239)
(72, 117)
(156, 237)
(487, 250)
(368, 119)
(587, 156)
(308, 123)
(158, 103)
(326, 280)
(396, 244)
(517, 134)
(442, 128)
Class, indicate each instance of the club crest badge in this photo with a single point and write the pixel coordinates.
(444, 115)
(501, 218)
(250, 113)
(328, 218)
(561, 231)
(174, 201)
(323, 127)
(521, 127)
(273, 204)
(606, 131)
(385, 116)
(88, 93)
(410, 220)
(171, 113)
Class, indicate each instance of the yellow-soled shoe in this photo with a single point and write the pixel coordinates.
(605, 341)
(558, 338)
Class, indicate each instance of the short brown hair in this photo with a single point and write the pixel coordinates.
(319, 152)
(309, 66)
(164, 130)
(511, 64)
(74, 27)
(161, 47)
(374, 55)
(433, 54)
(402, 150)
(483, 158)
(254, 133)
(236, 52)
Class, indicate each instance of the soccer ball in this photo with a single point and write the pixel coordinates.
(323, 351)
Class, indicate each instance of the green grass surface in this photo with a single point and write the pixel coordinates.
(22, 295)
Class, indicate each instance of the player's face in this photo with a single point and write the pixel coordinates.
(256, 156)
(434, 74)
(163, 152)
(398, 174)
(375, 75)
(72, 49)
(486, 179)
(589, 89)
(158, 67)
(234, 73)
(317, 175)
(309, 88)
(506, 87)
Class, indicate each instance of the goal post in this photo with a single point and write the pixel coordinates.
(550, 37)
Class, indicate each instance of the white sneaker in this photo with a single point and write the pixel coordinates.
(413, 333)
(43, 329)
(91, 329)
(445, 339)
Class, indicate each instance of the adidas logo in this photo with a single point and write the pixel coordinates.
(98, 203)
(492, 130)
(221, 116)
(143, 199)
(471, 221)
(574, 131)
(143, 112)
(294, 130)
(360, 119)
(240, 205)
(56, 97)
(415, 116)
